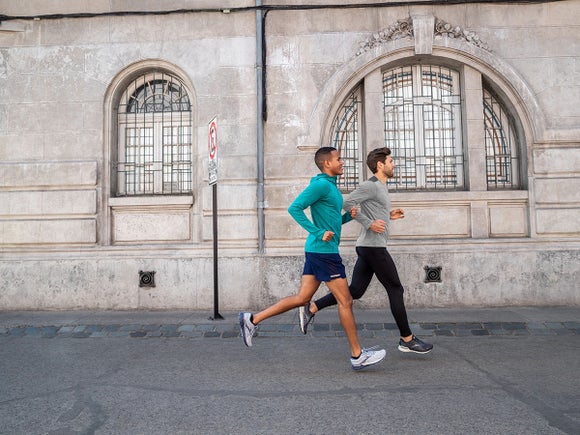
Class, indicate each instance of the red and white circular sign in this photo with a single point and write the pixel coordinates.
(212, 139)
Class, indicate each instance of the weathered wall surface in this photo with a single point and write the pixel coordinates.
(66, 242)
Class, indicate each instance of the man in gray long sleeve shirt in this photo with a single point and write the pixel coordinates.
(372, 196)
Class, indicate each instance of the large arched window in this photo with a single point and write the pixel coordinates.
(424, 125)
(154, 153)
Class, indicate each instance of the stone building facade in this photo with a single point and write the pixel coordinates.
(105, 160)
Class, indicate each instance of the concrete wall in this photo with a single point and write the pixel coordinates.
(67, 243)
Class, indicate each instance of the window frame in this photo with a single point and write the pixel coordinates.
(472, 139)
(504, 122)
(419, 101)
(152, 171)
(348, 140)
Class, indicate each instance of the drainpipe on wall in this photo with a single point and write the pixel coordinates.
(260, 123)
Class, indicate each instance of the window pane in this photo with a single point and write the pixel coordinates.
(158, 95)
(400, 123)
(346, 140)
(155, 116)
(423, 127)
(176, 159)
(138, 161)
(500, 150)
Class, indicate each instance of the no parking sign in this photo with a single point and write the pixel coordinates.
(212, 150)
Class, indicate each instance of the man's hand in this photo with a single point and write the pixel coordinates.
(353, 212)
(328, 235)
(397, 214)
(378, 226)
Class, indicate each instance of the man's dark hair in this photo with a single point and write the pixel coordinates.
(375, 156)
(322, 155)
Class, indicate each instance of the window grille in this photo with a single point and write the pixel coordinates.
(346, 139)
(154, 153)
(500, 145)
(423, 127)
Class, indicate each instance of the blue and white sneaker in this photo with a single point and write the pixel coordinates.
(367, 358)
(247, 328)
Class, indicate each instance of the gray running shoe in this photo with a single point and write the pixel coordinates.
(247, 328)
(305, 317)
(415, 346)
(368, 357)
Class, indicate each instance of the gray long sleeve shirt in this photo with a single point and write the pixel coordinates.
(373, 198)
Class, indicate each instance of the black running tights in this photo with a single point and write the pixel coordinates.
(379, 262)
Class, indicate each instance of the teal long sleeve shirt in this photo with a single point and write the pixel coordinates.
(325, 202)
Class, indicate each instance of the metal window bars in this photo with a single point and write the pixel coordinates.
(346, 139)
(501, 151)
(423, 127)
(154, 154)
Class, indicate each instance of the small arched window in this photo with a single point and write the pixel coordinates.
(154, 153)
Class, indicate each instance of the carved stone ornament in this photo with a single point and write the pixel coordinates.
(404, 29)
(446, 30)
(401, 29)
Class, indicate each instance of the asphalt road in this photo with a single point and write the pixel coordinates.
(288, 385)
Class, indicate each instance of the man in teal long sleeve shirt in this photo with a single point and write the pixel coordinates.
(323, 262)
(323, 197)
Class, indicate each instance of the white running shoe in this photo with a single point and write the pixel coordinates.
(247, 328)
(305, 317)
(368, 357)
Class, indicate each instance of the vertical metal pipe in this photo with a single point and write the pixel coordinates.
(260, 124)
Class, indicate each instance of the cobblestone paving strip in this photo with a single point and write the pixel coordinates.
(226, 330)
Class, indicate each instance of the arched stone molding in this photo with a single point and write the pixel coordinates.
(404, 48)
(111, 101)
(130, 72)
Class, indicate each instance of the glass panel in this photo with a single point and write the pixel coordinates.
(500, 149)
(400, 124)
(176, 159)
(139, 161)
(346, 140)
(155, 114)
(158, 95)
(423, 127)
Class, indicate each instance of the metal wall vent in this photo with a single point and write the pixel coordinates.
(433, 274)
(146, 279)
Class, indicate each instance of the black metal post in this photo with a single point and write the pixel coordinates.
(216, 314)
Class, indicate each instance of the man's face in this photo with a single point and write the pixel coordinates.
(335, 163)
(388, 167)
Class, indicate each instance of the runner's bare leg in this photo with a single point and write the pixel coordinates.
(339, 288)
(308, 287)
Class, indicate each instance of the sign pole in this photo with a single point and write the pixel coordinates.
(216, 314)
(213, 177)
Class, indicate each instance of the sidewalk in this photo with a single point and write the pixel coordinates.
(371, 323)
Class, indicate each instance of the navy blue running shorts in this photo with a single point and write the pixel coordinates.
(325, 267)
